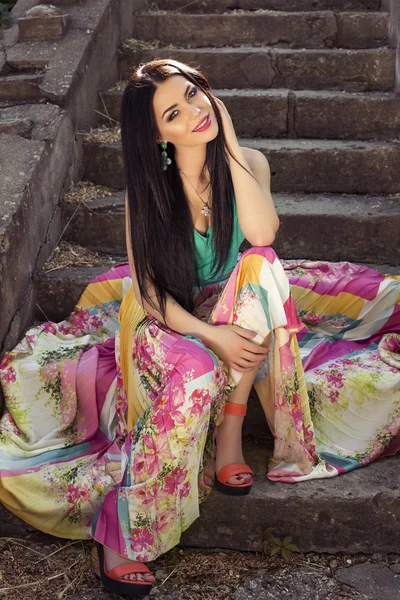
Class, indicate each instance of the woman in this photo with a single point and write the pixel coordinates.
(120, 418)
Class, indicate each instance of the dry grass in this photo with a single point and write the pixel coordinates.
(85, 191)
(103, 135)
(119, 86)
(154, 6)
(241, 11)
(132, 45)
(47, 568)
(32, 570)
(213, 575)
(155, 10)
(158, 11)
(66, 255)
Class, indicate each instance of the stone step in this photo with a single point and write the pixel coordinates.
(20, 88)
(322, 515)
(307, 223)
(214, 6)
(98, 224)
(251, 67)
(296, 165)
(305, 114)
(58, 291)
(273, 28)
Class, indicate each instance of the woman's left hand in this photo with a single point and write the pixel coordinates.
(229, 130)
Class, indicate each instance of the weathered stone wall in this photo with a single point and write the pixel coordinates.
(394, 32)
(50, 75)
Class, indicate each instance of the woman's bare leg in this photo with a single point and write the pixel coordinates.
(229, 433)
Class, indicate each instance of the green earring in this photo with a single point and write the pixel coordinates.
(165, 161)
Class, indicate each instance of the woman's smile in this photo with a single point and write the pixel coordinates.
(203, 124)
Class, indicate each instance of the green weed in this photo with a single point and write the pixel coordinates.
(275, 546)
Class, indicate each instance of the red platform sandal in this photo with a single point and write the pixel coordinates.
(221, 482)
(113, 579)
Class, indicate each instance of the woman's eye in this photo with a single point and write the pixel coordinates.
(171, 117)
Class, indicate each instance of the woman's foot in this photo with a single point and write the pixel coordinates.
(229, 447)
(114, 560)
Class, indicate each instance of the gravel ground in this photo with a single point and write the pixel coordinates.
(42, 567)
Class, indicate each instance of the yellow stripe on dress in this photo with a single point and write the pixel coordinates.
(248, 276)
(100, 293)
(344, 303)
(130, 314)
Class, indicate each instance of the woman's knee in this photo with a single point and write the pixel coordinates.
(200, 376)
(195, 359)
(264, 251)
(203, 362)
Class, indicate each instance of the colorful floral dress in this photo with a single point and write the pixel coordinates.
(110, 416)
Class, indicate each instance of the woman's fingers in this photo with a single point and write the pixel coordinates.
(255, 348)
(247, 360)
(247, 364)
(251, 364)
(254, 357)
(247, 344)
(243, 332)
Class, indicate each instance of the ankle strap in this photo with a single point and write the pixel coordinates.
(235, 409)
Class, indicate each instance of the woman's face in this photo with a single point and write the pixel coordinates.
(179, 106)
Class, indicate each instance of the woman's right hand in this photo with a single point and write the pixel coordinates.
(232, 344)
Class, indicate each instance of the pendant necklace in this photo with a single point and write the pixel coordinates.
(206, 210)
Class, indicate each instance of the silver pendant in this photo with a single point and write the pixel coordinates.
(206, 210)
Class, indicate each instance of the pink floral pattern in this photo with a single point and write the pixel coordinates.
(136, 490)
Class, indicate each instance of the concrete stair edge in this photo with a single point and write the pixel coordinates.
(332, 166)
(307, 221)
(322, 515)
(318, 29)
(297, 5)
(254, 67)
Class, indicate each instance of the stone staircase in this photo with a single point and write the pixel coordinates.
(310, 84)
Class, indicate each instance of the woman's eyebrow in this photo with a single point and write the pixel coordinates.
(173, 106)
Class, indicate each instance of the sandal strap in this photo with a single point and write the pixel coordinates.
(231, 470)
(238, 410)
(127, 569)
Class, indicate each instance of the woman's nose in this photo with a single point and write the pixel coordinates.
(196, 111)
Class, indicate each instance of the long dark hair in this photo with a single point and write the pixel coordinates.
(161, 225)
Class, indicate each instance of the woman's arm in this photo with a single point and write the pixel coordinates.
(256, 211)
(232, 344)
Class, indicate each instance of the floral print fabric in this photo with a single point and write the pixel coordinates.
(110, 416)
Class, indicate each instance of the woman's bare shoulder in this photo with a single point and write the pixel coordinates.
(254, 157)
(258, 162)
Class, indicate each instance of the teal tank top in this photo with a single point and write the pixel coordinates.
(205, 252)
